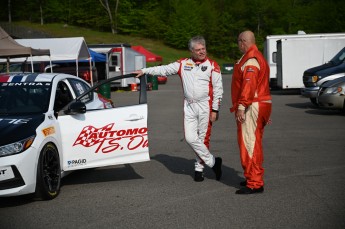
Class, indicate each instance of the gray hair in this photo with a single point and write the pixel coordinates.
(196, 40)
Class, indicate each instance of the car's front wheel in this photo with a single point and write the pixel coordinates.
(48, 173)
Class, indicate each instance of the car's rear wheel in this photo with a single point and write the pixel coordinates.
(48, 173)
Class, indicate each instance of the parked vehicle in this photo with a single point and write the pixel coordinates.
(52, 123)
(298, 52)
(120, 59)
(314, 77)
(331, 95)
(162, 79)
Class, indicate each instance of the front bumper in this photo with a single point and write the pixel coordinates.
(331, 101)
(309, 92)
(23, 168)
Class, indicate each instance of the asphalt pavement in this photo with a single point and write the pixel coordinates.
(304, 160)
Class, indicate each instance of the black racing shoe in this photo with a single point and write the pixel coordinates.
(198, 176)
(247, 190)
(217, 168)
(243, 183)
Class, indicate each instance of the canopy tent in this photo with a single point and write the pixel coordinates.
(95, 57)
(61, 49)
(9, 48)
(150, 57)
(70, 48)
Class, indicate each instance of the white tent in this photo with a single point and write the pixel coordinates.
(71, 48)
(61, 49)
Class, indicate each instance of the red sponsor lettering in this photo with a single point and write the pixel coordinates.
(109, 140)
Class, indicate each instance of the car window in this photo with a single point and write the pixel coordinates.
(63, 96)
(79, 87)
(340, 57)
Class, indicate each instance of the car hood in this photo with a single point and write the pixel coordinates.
(335, 82)
(15, 128)
(326, 69)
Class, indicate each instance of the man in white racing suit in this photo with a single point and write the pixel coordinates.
(203, 90)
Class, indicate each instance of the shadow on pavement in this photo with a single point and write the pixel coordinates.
(305, 105)
(111, 173)
(184, 166)
(15, 201)
(312, 109)
(84, 176)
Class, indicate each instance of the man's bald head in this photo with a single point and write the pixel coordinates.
(245, 40)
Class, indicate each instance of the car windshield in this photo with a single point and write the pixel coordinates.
(340, 57)
(24, 98)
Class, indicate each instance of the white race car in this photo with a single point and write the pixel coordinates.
(52, 123)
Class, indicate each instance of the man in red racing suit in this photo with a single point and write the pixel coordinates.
(203, 89)
(252, 105)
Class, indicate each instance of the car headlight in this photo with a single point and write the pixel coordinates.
(314, 79)
(333, 90)
(16, 147)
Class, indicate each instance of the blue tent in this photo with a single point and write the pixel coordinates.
(97, 57)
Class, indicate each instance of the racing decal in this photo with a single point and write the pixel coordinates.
(48, 131)
(15, 128)
(19, 78)
(187, 68)
(14, 121)
(31, 78)
(4, 78)
(109, 140)
(11, 84)
(250, 69)
(6, 173)
(76, 162)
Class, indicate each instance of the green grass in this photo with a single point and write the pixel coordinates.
(95, 37)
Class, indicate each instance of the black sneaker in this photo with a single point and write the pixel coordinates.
(247, 190)
(198, 176)
(217, 168)
(243, 183)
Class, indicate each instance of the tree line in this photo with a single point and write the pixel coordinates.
(175, 21)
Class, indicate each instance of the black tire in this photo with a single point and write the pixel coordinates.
(313, 101)
(48, 173)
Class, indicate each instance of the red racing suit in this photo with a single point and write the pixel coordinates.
(203, 91)
(250, 91)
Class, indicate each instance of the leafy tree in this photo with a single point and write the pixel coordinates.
(153, 20)
(176, 21)
(113, 24)
(184, 23)
(9, 11)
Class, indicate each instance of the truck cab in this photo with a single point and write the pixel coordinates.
(314, 77)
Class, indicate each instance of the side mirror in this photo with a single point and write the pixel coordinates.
(76, 108)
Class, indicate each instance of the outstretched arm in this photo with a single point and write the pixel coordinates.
(139, 73)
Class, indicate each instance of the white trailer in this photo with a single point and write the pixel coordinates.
(299, 51)
(121, 59)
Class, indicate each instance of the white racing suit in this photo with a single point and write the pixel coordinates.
(203, 91)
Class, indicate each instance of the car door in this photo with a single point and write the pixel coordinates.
(104, 137)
